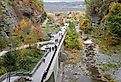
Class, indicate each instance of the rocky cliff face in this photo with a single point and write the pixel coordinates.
(21, 17)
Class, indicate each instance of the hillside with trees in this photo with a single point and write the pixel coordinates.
(20, 24)
(105, 17)
(20, 21)
(102, 24)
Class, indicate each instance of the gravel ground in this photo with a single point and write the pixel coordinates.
(72, 69)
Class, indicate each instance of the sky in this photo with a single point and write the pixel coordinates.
(61, 0)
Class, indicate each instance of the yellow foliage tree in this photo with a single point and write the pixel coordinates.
(83, 24)
(22, 24)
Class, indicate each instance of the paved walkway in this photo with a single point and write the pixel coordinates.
(12, 79)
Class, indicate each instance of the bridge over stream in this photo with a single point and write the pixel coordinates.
(47, 68)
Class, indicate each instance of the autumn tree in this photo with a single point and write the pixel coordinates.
(113, 19)
(98, 8)
(85, 24)
(93, 6)
(71, 37)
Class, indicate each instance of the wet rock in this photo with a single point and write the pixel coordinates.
(99, 76)
(76, 74)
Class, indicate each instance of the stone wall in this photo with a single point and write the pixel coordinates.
(89, 59)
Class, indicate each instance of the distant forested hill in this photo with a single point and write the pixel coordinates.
(64, 6)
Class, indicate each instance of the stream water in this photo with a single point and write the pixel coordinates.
(82, 71)
(112, 65)
(88, 68)
(73, 73)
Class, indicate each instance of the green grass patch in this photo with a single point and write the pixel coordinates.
(50, 29)
(21, 61)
